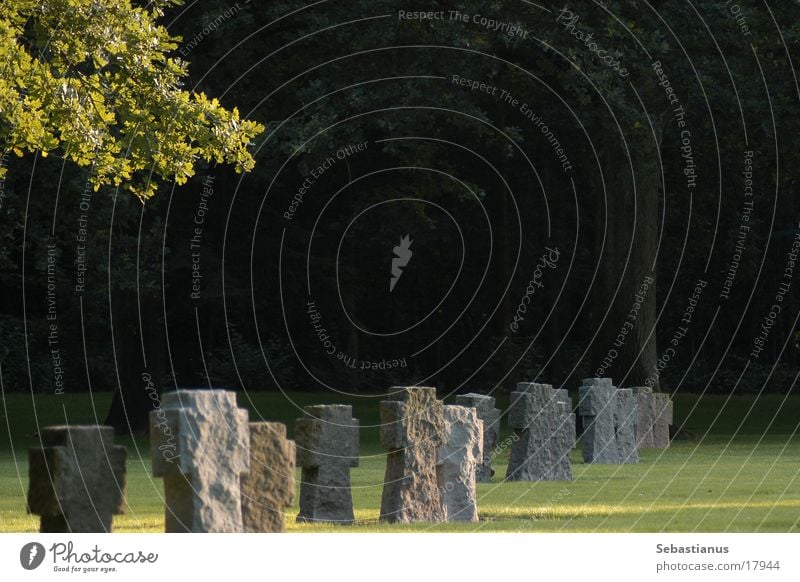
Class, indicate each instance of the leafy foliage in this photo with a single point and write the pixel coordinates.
(93, 80)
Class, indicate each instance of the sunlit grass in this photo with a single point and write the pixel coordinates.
(719, 481)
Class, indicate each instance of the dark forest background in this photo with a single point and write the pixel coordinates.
(468, 176)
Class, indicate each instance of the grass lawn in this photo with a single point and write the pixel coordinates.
(738, 471)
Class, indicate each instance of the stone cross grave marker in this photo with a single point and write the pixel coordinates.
(484, 405)
(609, 419)
(459, 459)
(327, 447)
(662, 405)
(645, 416)
(268, 489)
(542, 424)
(77, 479)
(413, 431)
(562, 397)
(625, 416)
(206, 435)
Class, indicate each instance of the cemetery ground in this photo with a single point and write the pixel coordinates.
(734, 467)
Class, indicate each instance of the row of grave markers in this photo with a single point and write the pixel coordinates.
(223, 473)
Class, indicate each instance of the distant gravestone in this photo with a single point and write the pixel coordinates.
(645, 417)
(413, 431)
(542, 425)
(609, 419)
(654, 417)
(624, 426)
(662, 405)
(209, 433)
(327, 446)
(562, 397)
(268, 489)
(484, 405)
(77, 479)
(459, 459)
(597, 406)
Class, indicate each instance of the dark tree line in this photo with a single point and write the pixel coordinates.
(639, 220)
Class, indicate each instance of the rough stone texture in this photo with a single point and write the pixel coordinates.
(459, 459)
(542, 425)
(562, 396)
(77, 479)
(645, 416)
(654, 417)
(327, 446)
(662, 411)
(413, 430)
(269, 487)
(597, 405)
(199, 444)
(609, 420)
(565, 439)
(624, 425)
(484, 405)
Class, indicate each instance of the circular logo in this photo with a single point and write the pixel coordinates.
(31, 555)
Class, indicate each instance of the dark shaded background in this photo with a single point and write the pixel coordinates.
(472, 181)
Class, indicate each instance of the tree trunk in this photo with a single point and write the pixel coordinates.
(625, 293)
(138, 372)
